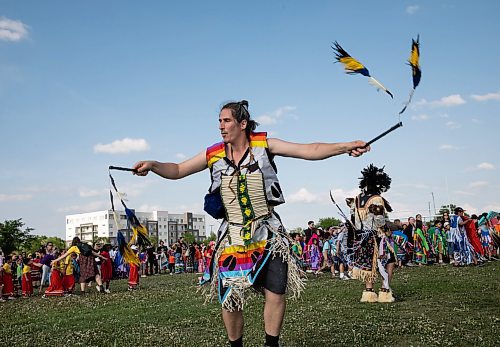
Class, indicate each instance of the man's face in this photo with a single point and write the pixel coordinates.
(230, 129)
(439, 225)
(311, 225)
(50, 247)
(412, 220)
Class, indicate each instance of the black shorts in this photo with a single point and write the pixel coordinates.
(392, 259)
(273, 276)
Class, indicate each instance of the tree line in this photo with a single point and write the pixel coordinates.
(15, 236)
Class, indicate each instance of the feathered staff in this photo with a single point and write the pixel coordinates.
(417, 73)
(347, 220)
(139, 232)
(353, 66)
(414, 62)
(129, 256)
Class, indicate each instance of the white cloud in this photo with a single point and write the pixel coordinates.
(12, 30)
(44, 189)
(122, 146)
(478, 184)
(15, 197)
(135, 189)
(89, 193)
(303, 195)
(485, 166)
(420, 117)
(266, 120)
(412, 9)
(448, 147)
(452, 100)
(412, 186)
(149, 208)
(273, 117)
(444, 115)
(340, 194)
(486, 97)
(477, 121)
(453, 125)
(491, 207)
(90, 207)
(181, 156)
(446, 101)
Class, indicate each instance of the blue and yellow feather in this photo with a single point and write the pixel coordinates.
(353, 66)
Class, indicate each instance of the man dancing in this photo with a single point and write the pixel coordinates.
(252, 247)
(373, 248)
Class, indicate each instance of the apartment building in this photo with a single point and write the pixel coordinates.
(165, 226)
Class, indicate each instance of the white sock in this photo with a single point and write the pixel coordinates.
(342, 275)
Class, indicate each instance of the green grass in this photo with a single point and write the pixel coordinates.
(438, 306)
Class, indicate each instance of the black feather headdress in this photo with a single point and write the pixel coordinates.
(374, 180)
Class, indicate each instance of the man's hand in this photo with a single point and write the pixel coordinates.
(358, 148)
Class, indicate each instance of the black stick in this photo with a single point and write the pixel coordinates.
(400, 124)
(122, 168)
(341, 212)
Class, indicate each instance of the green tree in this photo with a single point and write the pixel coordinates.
(32, 244)
(328, 222)
(188, 237)
(36, 241)
(212, 237)
(12, 236)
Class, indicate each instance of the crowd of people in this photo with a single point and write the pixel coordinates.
(55, 272)
(456, 240)
(176, 259)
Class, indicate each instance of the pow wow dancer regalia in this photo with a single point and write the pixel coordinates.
(462, 249)
(251, 234)
(402, 246)
(372, 248)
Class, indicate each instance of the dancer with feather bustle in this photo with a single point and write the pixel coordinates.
(373, 244)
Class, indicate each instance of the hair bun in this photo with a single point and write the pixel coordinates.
(244, 103)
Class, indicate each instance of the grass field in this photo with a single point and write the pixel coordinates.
(438, 306)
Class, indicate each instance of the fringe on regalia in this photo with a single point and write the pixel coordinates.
(367, 271)
(239, 288)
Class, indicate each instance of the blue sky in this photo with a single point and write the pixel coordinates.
(91, 84)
